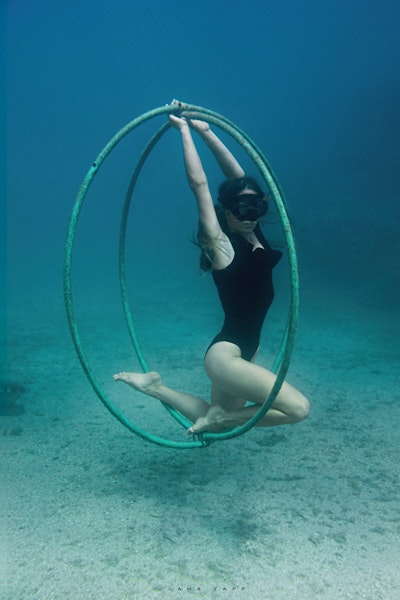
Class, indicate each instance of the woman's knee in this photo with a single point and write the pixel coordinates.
(300, 408)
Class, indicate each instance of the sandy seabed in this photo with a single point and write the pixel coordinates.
(92, 512)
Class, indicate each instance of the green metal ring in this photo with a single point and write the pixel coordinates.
(282, 360)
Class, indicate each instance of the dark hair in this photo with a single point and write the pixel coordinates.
(229, 190)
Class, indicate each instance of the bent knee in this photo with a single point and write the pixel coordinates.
(301, 409)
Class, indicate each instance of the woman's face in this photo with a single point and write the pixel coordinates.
(238, 226)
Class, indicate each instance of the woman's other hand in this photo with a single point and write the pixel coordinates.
(199, 126)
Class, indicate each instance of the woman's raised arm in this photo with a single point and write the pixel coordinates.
(228, 163)
(197, 178)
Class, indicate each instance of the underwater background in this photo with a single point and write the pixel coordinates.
(298, 512)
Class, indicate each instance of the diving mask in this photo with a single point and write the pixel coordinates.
(250, 207)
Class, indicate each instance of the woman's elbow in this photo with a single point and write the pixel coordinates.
(196, 183)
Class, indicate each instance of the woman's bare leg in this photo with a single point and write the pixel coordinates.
(192, 407)
(234, 382)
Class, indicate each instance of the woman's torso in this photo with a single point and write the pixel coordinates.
(246, 290)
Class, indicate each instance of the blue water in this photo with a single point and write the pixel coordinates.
(316, 85)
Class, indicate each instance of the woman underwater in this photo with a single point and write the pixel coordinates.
(234, 249)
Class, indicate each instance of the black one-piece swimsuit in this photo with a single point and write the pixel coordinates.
(246, 292)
